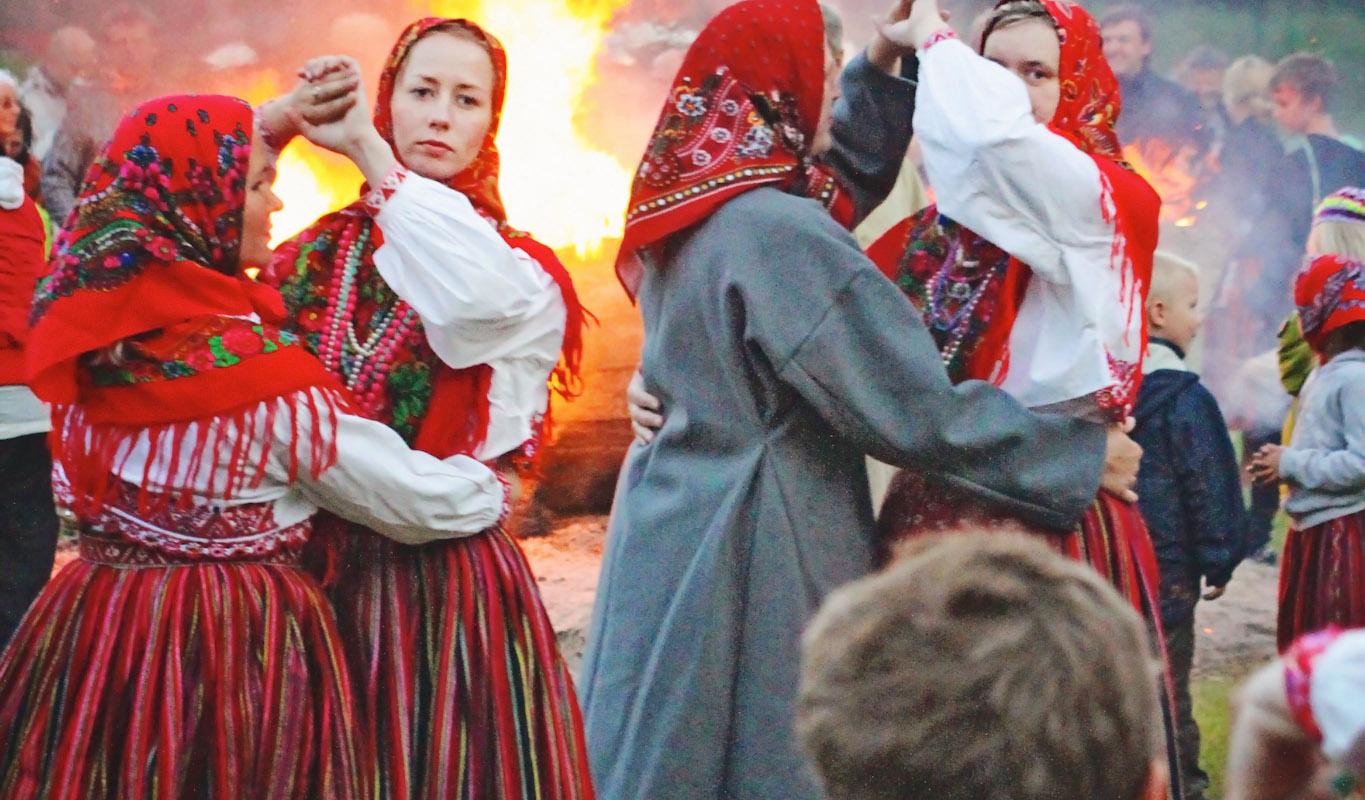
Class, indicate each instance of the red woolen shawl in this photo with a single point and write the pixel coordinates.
(141, 325)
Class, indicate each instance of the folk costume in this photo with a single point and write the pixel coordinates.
(1322, 579)
(447, 324)
(186, 653)
(768, 339)
(1031, 271)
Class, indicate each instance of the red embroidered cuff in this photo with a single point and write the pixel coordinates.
(941, 35)
(1298, 678)
(378, 196)
(264, 134)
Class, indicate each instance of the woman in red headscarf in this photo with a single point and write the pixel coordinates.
(781, 357)
(447, 325)
(186, 653)
(1032, 268)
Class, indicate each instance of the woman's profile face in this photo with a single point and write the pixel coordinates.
(442, 105)
(9, 110)
(261, 202)
(1031, 50)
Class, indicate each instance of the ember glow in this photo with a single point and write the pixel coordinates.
(555, 182)
(1171, 172)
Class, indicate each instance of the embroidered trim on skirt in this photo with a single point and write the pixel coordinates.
(1322, 578)
(220, 680)
(463, 690)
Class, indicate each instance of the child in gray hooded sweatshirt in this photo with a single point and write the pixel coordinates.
(1322, 581)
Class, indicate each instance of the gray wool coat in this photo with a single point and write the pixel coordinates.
(782, 358)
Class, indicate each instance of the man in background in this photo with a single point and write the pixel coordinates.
(129, 50)
(69, 60)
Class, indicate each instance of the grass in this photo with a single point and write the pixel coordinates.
(1211, 696)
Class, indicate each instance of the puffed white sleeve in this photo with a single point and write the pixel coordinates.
(379, 482)
(999, 172)
(479, 298)
(1338, 697)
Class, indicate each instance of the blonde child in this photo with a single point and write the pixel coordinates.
(1322, 581)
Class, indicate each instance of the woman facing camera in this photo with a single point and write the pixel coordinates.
(447, 325)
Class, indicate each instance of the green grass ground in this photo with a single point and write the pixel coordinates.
(1211, 695)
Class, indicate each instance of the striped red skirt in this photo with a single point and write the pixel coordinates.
(463, 693)
(1322, 578)
(133, 676)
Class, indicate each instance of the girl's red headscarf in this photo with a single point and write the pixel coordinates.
(1086, 115)
(742, 114)
(1330, 294)
(138, 326)
(451, 415)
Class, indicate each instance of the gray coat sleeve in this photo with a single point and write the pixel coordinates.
(850, 344)
(872, 128)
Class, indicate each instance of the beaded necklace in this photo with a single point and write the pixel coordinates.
(364, 366)
(952, 295)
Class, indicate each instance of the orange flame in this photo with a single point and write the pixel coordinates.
(555, 183)
(1171, 172)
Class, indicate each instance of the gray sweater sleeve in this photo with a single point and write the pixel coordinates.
(872, 128)
(1334, 471)
(851, 345)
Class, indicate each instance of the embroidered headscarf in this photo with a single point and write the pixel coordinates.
(742, 113)
(145, 323)
(1330, 294)
(437, 409)
(976, 339)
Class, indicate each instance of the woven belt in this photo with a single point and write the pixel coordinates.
(111, 551)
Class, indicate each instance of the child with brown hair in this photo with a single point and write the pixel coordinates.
(1322, 581)
(981, 666)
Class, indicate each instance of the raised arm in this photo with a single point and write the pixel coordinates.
(872, 125)
(998, 171)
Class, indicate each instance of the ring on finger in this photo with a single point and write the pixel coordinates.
(317, 93)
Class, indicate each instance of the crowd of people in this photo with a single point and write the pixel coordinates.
(289, 472)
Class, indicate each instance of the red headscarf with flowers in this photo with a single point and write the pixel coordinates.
(742, 114)
(448, 412)
(1087, 113)
(143, 324)
(1330, 294)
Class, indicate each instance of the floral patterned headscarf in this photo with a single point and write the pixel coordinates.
(742, 114)
(1330, 294)
(145, 322)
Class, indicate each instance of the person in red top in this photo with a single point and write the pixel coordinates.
(28, 522)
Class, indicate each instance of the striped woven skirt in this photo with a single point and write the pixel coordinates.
(1322, 578)
(137, 676)
(1112, 538)
(462, 689)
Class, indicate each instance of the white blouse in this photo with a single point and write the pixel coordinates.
(377, 481)
(481, 301)
(1032, 193)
